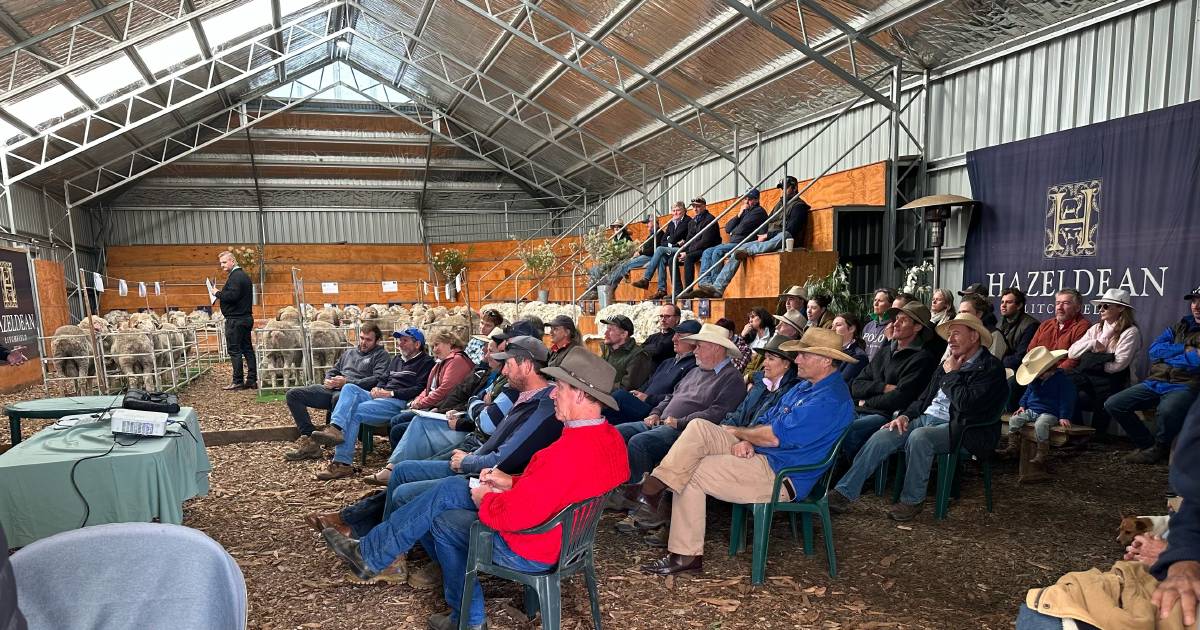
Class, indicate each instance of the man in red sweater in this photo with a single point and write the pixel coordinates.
(1065, 328)
(587, 461)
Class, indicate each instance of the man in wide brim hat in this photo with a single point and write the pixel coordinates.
(970, 321)
(595, 378)
(798, 294)
(795, 319)
(713, 333)
(820, 341)
(1037, 362)
(915, 310)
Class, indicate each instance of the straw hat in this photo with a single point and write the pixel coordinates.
(969, 320)
(793, 318)
(713, 333)
(588, 373)
(915, 310)
(1114, 296)
(773, 347)
(795, 291)
(820, 341)
(1036, 362)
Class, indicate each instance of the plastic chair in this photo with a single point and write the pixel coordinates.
(543, 590)
(129, 575)
(763, 513)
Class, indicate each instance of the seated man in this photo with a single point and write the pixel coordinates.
(703, 233)
(676, 232)
(623, 352)
(750, 223)
(893, 379)
(709, 391)
(1016, 326)
(407, 372)
(564, 336)
(363, 366)
(794, 299)
(638, 261)
(587, 461)
(660, 345)
(13, 356)
(635, 405)
(739, 464)
(1170, 386)
(969, 388)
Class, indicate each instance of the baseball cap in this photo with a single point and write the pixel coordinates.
(563, 320)
(789, 181)
(521, 328)
(619, 320)
(699, 200)
(524, 346)
(752, 193)
(1195, 293)
(976, 288)
(412, 332)
(688, 327)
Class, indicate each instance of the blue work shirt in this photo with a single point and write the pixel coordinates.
(807, 421)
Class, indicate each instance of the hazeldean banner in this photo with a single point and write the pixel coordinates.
(18, 314)
(1110, 205)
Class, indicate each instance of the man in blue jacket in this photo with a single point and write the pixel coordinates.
(750, 223)
(1179, 566)
(1170, 386)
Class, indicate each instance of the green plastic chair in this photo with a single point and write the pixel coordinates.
(763, 513)
(543, 590)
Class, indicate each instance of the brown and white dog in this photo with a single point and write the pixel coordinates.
(1132, 526)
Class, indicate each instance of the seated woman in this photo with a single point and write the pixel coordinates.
(849, 326)
(818, 311)
(760, 326)
(1105, 354)
(942, 306)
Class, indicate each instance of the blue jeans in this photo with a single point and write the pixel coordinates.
(647, 446)
(663, 256)
(451, 534)
(616, 275)
(425, 438)
(1172, 409)
(629, 408)
(410, 523)
(410, 479)
(1029, 619)
(403, 486)
(753, 248)
(354, 407)
(926, 436)
(861, 430)
(710, 258)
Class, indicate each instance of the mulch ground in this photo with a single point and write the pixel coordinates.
(971, 570)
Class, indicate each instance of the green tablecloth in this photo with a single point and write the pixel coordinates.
(150, 478)
(55, 408)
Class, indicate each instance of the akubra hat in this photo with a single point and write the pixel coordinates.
(1036, 362)
(793, 318)
(1114, 296)
(588, 373)
(820, 341)
(773, 347)
(915, 310)
(969, 320)
(795, 291)
(713, 333)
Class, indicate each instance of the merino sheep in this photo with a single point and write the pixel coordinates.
(328, 315)
(283, 354)
(199, 317)
(350, 314)
(116, 317)
(72, 351)
(289, 314)
(327, 343)
(132, 352)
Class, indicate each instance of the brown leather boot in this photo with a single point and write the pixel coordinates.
(1013, 448)
(1043, 453)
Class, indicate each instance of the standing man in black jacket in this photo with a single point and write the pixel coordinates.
(237, 305)
(704, 224)
(750, 223)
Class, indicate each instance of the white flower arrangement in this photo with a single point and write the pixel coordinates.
(917, 281)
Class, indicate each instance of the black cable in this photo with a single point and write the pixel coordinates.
(87, 508)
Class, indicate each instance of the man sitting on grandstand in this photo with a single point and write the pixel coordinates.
(738, 464)
(363, 366)
(703, 233)
(638, 261)
(967, 389)
(676, 232)
(660, 345)
(623, 352)
(749, 223)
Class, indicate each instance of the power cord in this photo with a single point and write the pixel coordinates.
(87, 508)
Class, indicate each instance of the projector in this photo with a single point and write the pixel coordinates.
(134, 422)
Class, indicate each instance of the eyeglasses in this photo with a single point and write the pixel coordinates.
(1104, 307)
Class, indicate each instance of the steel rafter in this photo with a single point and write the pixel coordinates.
(477, 86)
(151, 157)
(133, 32)
(518, 166)
(489, 58)
(135, 109)
(619, 66)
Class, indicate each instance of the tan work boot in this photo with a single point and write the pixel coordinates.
(1013, 448)
(427, 578)
(1043, 453)
(335, 470)
(306, 448)
(329, 436)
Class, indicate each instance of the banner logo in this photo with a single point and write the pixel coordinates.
(8, 285)
(1071, 219)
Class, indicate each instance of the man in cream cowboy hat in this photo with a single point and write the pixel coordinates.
(1049, 399)
(738, 464)
(794, 299)
(706, 394)
(967, 389)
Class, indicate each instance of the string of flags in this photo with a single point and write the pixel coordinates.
(123, 286)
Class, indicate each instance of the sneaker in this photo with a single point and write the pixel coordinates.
(905, 512)
(306, 448)
(1151, 455)
(427, 578)
(329, 436)
(706, 291)
(838, 503)
(441, 621)
(646, 518)
(335, 470)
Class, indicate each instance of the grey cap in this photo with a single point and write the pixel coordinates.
(620, 321)
(524, 346)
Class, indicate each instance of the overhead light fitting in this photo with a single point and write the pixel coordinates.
(342, 44)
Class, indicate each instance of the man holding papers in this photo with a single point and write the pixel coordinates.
(237, 303)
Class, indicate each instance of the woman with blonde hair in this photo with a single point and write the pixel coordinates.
(941, 307)
(1106, 353)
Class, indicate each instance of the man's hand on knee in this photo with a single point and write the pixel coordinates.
(1181, 586)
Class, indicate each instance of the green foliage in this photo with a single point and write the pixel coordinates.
(837, 286)
(449, 263)
(539, 260)
(607, 252)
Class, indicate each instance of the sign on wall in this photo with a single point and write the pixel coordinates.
(18, 308)
(1110, 205)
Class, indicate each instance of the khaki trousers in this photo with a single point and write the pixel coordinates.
(700, 465)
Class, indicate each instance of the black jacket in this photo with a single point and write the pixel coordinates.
(660, 346)
(406, 379)
(647, 248)
(794, 219)
(1017, 333)
(708, 237)
(977, 394)
(665, 377)
(752, 221)
(237, 296)
(908, 369)
(3, 353)
(677, 232)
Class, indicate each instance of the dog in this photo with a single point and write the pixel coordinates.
(1132, 526)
